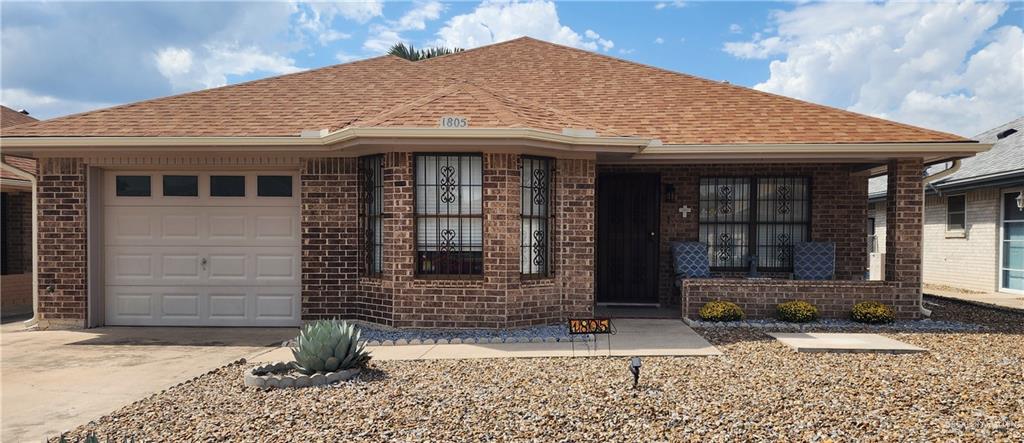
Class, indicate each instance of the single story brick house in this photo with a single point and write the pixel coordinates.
(973, 231)
(515, 184)
(16, 183)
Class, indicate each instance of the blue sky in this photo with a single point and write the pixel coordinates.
(957, 67)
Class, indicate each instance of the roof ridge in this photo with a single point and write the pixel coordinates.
(406, 106)
(721, 84)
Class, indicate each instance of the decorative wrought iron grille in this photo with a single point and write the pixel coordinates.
(449, 214)
(371, 170)
(764, 216)
(535, 215)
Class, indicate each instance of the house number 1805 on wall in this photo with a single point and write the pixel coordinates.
(454, 121)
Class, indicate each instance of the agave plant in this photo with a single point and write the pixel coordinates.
(328, 346)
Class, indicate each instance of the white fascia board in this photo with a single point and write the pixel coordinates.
(349, 136)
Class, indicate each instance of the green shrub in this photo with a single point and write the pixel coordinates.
(720, 310)
(872, 312)
(328, 346)
(797, 311)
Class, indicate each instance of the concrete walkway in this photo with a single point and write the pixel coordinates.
(635, 337)
(999, 300)
(55, 380)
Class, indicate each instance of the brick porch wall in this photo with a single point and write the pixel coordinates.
(834, 299)
(63, 252)
(838, 210)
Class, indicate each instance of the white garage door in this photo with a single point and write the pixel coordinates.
(201, 249)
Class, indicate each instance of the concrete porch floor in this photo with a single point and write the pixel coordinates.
(55, 380)
(634, 337)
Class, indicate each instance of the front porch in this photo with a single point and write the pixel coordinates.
(749, 216)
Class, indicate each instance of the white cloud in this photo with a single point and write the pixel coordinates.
(910, 62)
(381, 39)
(625, 51)
(345, 57)
(735, 28)
(674, 3)
(500, 20)
(659, 40)
(43, 106)
(331, 35)
(383, 36)
(417, 17)
(215, 63)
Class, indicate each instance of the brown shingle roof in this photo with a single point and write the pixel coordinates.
(10, 117)
(519, 83)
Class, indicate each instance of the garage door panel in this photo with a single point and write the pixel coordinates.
(181, 227)
(180, 305)
(227, 227)
(180, 266)
(276, 306)
(229, 305)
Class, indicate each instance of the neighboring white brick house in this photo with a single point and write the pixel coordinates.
(967, 258)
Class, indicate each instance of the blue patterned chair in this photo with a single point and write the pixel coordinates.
(690, 260)
(814, 260)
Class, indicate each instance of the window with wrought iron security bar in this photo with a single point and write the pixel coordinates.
(371, 170)
(535, 215)
(742, 217)
(449, 215)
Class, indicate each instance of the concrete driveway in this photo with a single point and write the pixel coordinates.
(51, 381)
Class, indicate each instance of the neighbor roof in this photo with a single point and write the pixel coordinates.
(10, 117)
(520, 83)
(1004, 160)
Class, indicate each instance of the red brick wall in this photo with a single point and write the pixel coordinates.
(838, 209)
(834, 299)
(904, 227)
(329, 238)
(498, 298)
(63, 252)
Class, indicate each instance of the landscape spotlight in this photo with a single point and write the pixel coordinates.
(634, 367)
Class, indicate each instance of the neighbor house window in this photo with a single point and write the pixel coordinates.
(742, 217)
(535, 215)
(449, 214)
(372, 211)
(956, 212)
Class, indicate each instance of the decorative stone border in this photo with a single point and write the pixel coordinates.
(268, 376)
(467, 341)
(925, 325)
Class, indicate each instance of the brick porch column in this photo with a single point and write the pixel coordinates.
(904, 216)
(63, 243)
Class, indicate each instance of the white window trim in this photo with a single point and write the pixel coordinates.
(1002, 236)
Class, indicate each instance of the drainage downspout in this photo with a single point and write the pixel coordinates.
(35, 239)
(928, 180)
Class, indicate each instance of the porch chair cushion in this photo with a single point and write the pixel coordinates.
(690, 260)
(814, 260)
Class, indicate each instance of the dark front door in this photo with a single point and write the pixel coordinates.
(627, 238)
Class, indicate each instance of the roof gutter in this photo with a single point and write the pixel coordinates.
(945, 173)
(656, 152)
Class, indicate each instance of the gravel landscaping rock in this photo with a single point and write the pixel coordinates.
(443, 336)
(970, 387)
